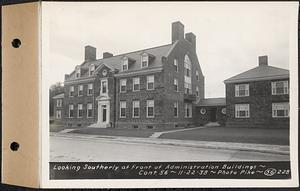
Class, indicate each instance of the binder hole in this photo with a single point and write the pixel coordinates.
(14, 146)
(16, 43)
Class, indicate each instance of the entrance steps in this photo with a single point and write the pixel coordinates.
(212, 124)
(99, 125)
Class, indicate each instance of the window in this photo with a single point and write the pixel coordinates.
(122, 109)
(58, 114)
(136, 109)
(145, 60)
(242, 111)
(125, 64)
(71, 91)
(176, 109)
(175, 84)
(80, 111)
(241, 90)
(280, 110)
(187, 88)
(197, 91)
(150, 82)
(187, 66)
(91, 69)
(90, 89)
(89, 110)
(71, 111)
(188, 110)
(80, 90)
(59, 103)
(123, 85)
(280, 87)
(150, 108)
(77, 72)
(103, 86)
(176, 65)
(136, 84)
(197, 75)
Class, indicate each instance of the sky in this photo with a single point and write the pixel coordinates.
(230, 36)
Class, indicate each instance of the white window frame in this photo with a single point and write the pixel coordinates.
(197, 91)
(197, 75)
(148, 105)
(91, 69)
(285, 106)
(71, 90)
(121, 107)
(77, 71)
(71, 107)
(89, 108)
(187, 66)
(90, 87)
(175, 62)
(134, 80)
(80, 88)
(175, 106)
(285, 87)
(189, 107)
(152, 81)
(134, 106)
(176, 84)
(237, 89)
(125, 63)
(242, 107)
(144, 58)
(59, 103)
(187, 86)
(101, 89)
(121, 84)
(78, 108)
(58, 114)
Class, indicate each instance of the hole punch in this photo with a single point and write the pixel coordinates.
(16, 43)
(14, 146)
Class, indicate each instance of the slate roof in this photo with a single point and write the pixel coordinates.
(59, 96)
(212, 102)
(115, 62)
(259, 73)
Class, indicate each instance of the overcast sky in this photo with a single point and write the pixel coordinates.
(230, 36)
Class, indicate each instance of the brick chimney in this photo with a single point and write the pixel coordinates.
(107, 55)
(263, 60)
(177, 31)
(89, 53)
(192, 39)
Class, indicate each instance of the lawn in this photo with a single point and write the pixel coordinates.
(226, 134)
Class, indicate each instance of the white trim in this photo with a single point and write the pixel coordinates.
(133, 83)
(70, 110)
(148, 81)
(242, 107)
(148, 103)
(237, 89)
(138, 103)
(285, 106)
(80, 104)
(122, 80)
(140, 72)
(122, 108)
(285, 87)
(87, 110)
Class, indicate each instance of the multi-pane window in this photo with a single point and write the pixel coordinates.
(79, 111)
(241, 90)
(176, 65)
(71, 111)
(91, 70)
(150, 108)
(123, 85)
(175, 84)
(176, 109)
(80, 90)
(188, 110)
(71, 91)
(90, 89)
(280, 87)
(242, 111)
(197, 75)
(122, 109)
(59, 103)
(187, 88)
(187, 66)
(280, 110)
(136, 108)
(104, 87)
(89, 110)
(125, 64)
(145, 60)
(58, 114)
(197, 91)
(150, 82)
(77, 72)
(136, 84)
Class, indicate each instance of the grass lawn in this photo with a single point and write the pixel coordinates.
(241, 135)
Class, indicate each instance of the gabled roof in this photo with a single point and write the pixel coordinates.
(115, 62)
(59, 96)
(259, 73)
(212, 102)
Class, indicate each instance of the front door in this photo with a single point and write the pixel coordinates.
(104, 113)
(213, 113)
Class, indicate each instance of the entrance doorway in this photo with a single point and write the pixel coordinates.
(213, 114)
(104, 114)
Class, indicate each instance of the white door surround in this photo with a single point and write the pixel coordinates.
(103, 120)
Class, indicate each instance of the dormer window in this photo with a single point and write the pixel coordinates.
(77, 73)
(145, 60)
(125, 64)
(91, 70)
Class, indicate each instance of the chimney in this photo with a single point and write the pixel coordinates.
(192, 39)
(263, 60)
(177, 31)
(107, 55)
(89, 53)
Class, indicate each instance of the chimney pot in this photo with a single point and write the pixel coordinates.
(263, 60)
(177, 31)
(107, 55)
(89, 53)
